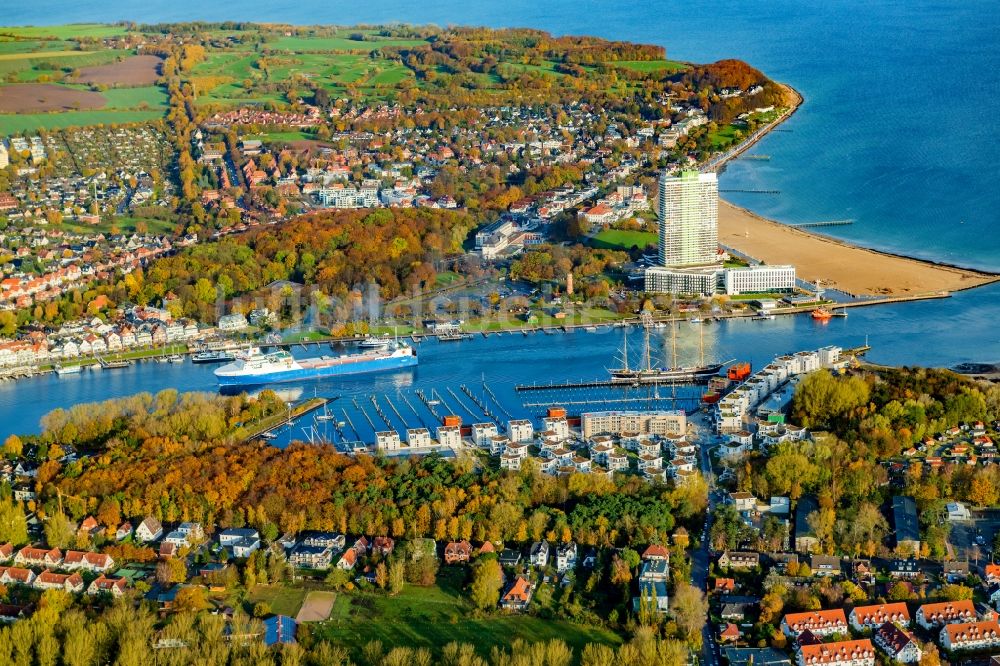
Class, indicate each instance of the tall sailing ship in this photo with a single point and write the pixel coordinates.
(676, 374)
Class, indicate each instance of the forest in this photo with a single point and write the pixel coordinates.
(175, 457)
(865, 421)
(336, 251)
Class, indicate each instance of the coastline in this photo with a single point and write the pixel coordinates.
(857, 270)
(853, 269)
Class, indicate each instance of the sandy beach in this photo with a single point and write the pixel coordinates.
(839, 265)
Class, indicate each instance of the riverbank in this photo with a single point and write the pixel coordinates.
(855, 270)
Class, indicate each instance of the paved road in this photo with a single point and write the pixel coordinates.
(702, 557)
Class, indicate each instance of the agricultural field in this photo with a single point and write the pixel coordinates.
(140, 70)
(224, 76)
(152, 97)
(68, 31)
(651, 65)
(434, 616)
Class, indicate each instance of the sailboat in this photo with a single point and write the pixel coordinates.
(676, 374)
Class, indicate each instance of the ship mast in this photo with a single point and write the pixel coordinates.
(625, 350)
(648, 365)
(701, 345)
(673, 344)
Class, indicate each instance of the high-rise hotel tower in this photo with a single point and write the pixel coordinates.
(689, 219)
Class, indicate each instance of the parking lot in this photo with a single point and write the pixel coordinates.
(973, 540)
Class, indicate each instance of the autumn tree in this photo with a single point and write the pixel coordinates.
(487, 581)
(59, 531)
(690, 610)
(13, 523)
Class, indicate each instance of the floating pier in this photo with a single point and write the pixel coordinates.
(827, 223)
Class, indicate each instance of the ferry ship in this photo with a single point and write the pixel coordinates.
(256, 367)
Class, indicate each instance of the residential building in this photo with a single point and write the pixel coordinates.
(104, 585)
(509, 557)
(930, 616)
(820, 623)
(962, 636)
(755, 657)
(655, 594)
(841, 653)
(897, 644)
(49, 580)
(654, 571)
(16, 576)
(148, 530)
(311, 557)
(457, 552)
(662, 422)
(872, 617)
(241, 541)
(233, 322)
(566, 557)
(907, 528)
(805, 537)
(348, 560)
(518, 595)
(732, 559)
(656, 551)
(520, 430)
(539, 555)
(97, 562)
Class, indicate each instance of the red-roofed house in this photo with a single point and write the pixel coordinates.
(971, 635)
(16, 575)
(383, 545)
(842, 653)
(39, 557)
(49, 580)
(103, 585)
(96, 562)
(821, 622)
(930, 616)
(656, 552)
(871, 617)
(348, 560)
(457, 551)
(518, 596)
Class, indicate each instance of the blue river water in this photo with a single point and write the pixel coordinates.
(896, 134)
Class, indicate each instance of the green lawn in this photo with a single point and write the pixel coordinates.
(28, 122)
(283, 137)
(68, 31)
(31, 66)
(650, 65)
(725, 136)
(154, 97)
(446, 278)
(282, 599)
(432, 617)
(11, 46)
(620, 239)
